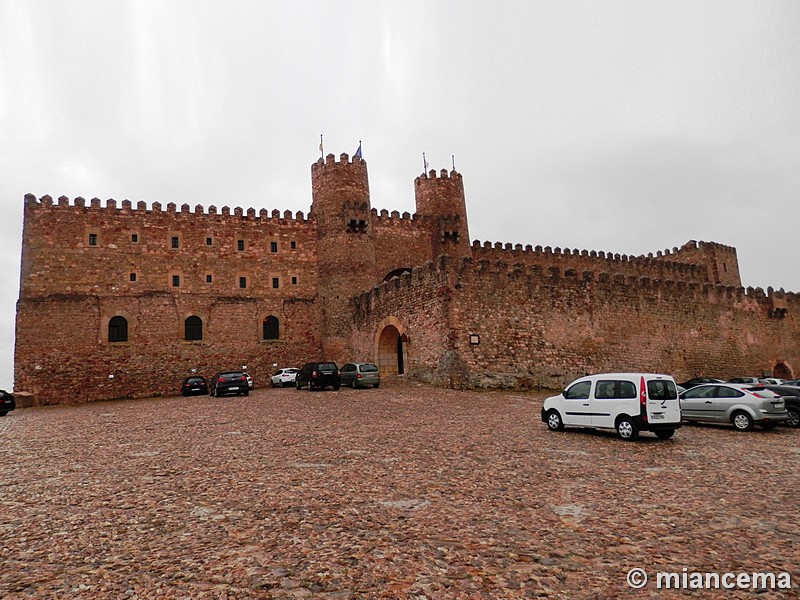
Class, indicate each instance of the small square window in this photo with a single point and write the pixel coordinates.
(240, 245)
(209, 241)
(275, 283)
(134, 238)
(294, 280)
(93, 239)
(293, 245)
(176, 281)
(273, 246)
(175, 242)
(133, 276)
(209, 278)
(242, 282)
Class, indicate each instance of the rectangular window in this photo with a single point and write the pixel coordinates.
(175, 242)
(134, 238)
(176, 281)
(209, 241)
(240, 245)
(294, 280)
(273, 246)
(93, 239)
(242, 282)
(133, 276)
(293, 245)
(275, 283)
(209, 278)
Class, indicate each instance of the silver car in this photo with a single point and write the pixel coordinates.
(360, 375)
(740, 404)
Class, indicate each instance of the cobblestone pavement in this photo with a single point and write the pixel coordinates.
(402, 492)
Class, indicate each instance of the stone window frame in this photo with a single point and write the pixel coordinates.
(105, 323)
(186, 327)
(209, 278)
(294, 279)
(171, 280)
(133, 277)
(274, 246)
(262, 328)
(242, 277)
(275, 282)
(293, 245)
(209, 241)
(240, 243)
(134, 237)
(172, 237)
(92, 234)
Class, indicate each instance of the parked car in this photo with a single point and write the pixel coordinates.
(626, 402)
(284, 377)
(748, 380)
(229, 382)
(318, 375)
(690, 383)
(774, 380)
(741, 404)
(791, 397)
(360, 375)
(194, 385)
(793, 382)
(7, 403)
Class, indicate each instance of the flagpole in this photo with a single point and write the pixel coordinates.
(424, 164)
(321, 153)
(453, 156)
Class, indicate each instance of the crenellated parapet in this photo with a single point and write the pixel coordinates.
(112, 208)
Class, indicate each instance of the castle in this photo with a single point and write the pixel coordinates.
(122, 301)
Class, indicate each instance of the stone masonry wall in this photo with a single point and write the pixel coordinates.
(545, 327)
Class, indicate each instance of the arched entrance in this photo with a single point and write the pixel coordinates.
(782, 370)
(391, 348)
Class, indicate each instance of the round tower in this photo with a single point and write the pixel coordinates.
(442, 200)
(345, 245)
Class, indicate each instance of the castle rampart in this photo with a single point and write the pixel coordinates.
(122, 299)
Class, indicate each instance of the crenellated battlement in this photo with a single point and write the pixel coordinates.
(443, 174)
(111, 206)
(467, 273)
(344, 159)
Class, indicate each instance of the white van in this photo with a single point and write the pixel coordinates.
(626, 402)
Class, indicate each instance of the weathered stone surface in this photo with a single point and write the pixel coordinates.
(400, 492)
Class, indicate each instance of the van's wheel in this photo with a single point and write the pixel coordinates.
(794, 417)
(554, 422)
(627, 429)
(664, 434)
(742, 421)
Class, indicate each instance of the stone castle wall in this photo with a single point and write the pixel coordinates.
(544, 327)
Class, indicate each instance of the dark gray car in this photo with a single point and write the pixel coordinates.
(319, 374)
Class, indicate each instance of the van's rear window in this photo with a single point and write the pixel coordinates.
(661, 390)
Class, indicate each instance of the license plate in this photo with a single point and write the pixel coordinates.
(233, 388)
(657, 416)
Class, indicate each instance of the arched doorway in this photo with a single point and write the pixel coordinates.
(782, 371)
(391, 352)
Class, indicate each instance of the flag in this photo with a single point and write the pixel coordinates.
(358, 152)
(424, 163)
(320, 145)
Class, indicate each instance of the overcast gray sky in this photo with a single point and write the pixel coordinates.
(623, 126)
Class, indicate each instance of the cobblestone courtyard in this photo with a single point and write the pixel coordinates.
(402, 492)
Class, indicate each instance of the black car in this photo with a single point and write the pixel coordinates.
(229, 382)
(690, 383)
(194, 385)
(318, 375)
(7, 403)
(791, 397)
